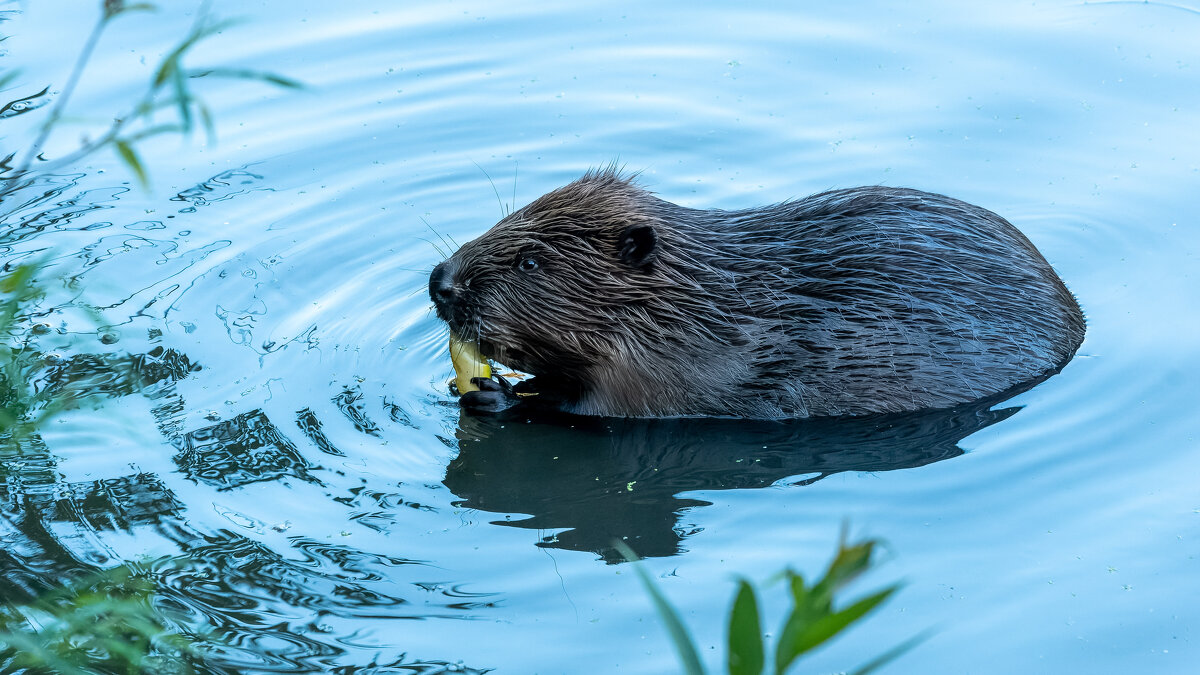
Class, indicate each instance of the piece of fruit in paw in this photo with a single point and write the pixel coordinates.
(468, 363)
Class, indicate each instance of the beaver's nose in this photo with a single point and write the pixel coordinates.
(441, 284)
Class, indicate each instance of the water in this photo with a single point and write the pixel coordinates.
(299, 444)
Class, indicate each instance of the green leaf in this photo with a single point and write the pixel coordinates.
(281, 81)
(210, 128)
(745, 633)
(168, 66)
(798, 638)
(32, 651)
(807, 607)
(170, 62)
(850, 562)
(17, 278)
(114, 8)
(807, 601)
(127, 155)
(139, 7)
(675, 628)
(185, 100)
(244, 74)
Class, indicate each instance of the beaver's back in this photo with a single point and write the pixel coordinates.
(882, 299)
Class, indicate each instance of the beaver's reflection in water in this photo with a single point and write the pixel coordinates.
(591, 480)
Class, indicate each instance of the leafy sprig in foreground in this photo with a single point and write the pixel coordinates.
(814, 617)
(105, 623)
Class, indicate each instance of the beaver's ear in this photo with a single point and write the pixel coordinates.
(638, 245)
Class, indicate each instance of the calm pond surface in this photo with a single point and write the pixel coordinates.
(300, 446)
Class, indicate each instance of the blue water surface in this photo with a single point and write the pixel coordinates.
(298, 442)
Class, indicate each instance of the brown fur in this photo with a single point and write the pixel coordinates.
(848, 302)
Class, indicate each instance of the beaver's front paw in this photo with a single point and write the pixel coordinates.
(493, 395)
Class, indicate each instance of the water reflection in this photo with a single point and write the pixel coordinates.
(35, 204)
(50, 529)
(296, 608)
(223, 186)
(25, 104)
(246, 449)
(601, 479)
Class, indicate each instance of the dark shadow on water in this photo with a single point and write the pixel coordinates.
(600, 479)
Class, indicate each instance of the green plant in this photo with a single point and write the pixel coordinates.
(22, 407)
(106, 623)
(812, 621)
(168, 90)
(35, 382)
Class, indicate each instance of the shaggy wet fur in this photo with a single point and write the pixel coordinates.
(849, 302)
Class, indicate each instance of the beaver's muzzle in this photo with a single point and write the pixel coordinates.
(442, 290)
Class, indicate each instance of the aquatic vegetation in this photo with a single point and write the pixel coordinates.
(109, 621)
(24, 406)
(106, 623)
(167, 90)
(812, 621)
(39, 378)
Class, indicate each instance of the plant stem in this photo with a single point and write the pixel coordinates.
(56, 112)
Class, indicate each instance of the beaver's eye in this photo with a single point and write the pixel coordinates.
(528, 265)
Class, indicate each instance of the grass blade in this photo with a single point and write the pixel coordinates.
(890, 655)
(675, 628)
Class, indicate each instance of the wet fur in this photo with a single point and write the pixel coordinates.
(849, 302)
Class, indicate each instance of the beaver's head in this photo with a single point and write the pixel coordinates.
(552, 287)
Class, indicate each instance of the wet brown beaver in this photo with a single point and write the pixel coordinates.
(849, 302)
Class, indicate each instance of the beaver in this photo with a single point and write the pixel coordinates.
(849, 302)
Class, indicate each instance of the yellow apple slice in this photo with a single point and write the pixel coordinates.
(468, 363)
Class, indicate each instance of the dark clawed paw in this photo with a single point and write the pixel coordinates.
(493, 396)
(486, 384)
(495, 383)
